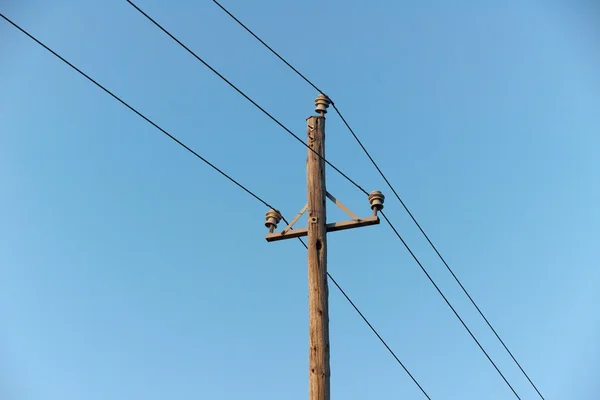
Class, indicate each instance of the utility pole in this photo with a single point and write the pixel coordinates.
(318, 308)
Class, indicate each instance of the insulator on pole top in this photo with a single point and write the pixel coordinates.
(322, 102)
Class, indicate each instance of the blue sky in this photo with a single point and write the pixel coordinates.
(130, 270)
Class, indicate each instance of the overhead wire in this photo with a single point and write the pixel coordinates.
(221, 172)
(321, 157)
(139, 114)
(207, 65)
(269, 47)
(449, 304)
(355, 136)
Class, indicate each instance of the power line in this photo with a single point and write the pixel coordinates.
(244, 95)
(137, 112)
(269, 47)
(391, 188)
(373, 329)
(326, 161)
(448, 302)
(223, 174)
(377, 334)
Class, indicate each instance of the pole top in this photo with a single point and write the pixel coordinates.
(322, 102)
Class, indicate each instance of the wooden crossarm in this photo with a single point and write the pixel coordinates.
(335, 226)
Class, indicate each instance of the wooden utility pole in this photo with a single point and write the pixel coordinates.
(318, 308)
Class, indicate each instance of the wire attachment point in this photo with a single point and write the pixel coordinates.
(322, 103)
(273, 217)
(376, 198)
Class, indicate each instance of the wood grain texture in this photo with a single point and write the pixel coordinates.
(318, 307)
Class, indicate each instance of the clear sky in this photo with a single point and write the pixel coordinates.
(130, 270)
